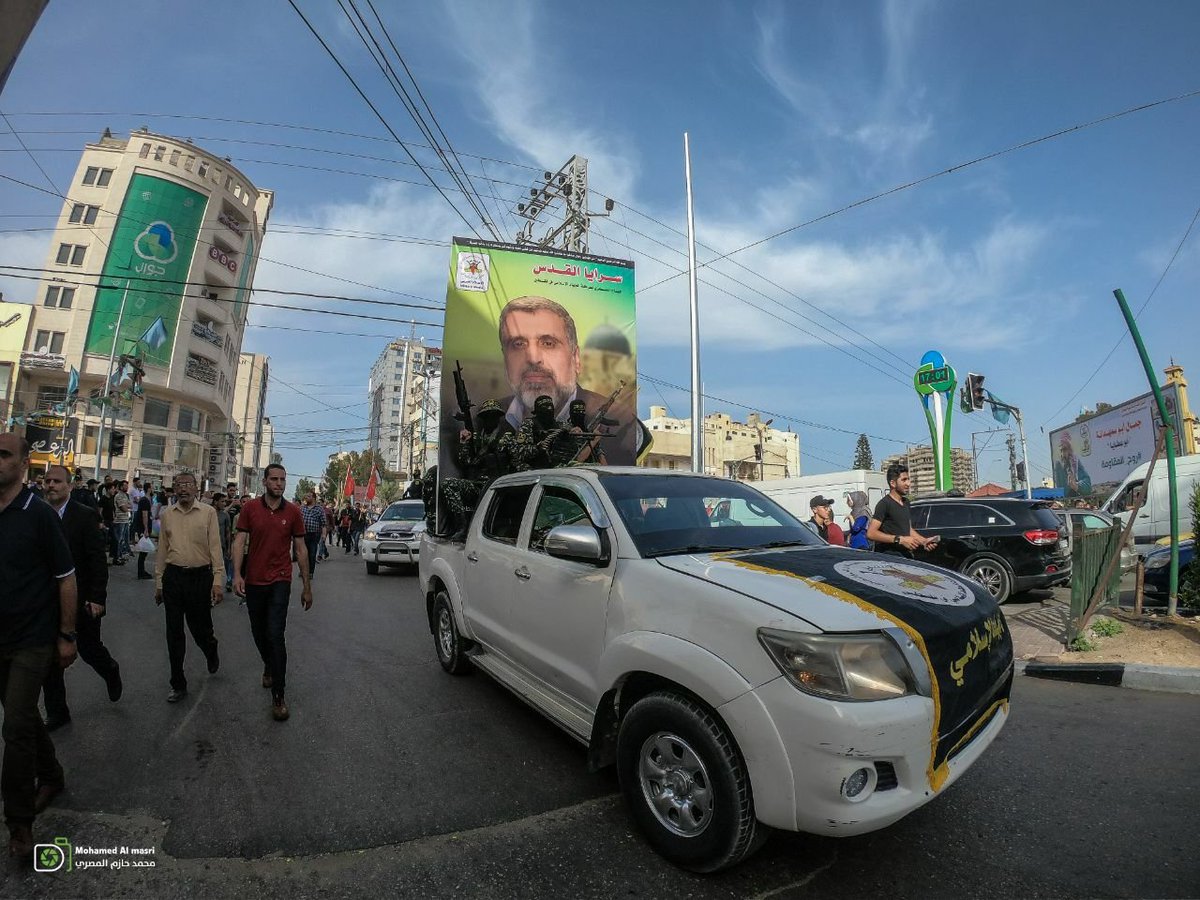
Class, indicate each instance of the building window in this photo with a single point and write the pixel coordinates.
(71, 254)
(174, 157)
(189, 163)
(203, 169)
(97, 176)
(104, 177)
(49, 394)
(61, 298)
(144, 152)
(89, 177)
(49, 342)
(187, 454)
(159, 152)
(89, 439)
(154, 447)
(189, 419)
(156, 412)
(81, 212)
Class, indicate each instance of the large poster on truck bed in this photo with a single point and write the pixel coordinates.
(523, 323)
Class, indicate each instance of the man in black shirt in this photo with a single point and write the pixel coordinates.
(891, 525)
(38, 600)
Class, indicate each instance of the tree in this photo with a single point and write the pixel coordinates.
(389, 490)
(1189, 579)
(304, 487)
(360, 464)
(862, 454)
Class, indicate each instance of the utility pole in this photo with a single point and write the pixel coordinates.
(408, 357)
(112, 356)
(568, 187)
(1012, 460)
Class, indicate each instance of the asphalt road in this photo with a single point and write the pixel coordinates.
(394, 779)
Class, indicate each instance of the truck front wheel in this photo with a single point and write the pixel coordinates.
(686, 784)
(451, 648)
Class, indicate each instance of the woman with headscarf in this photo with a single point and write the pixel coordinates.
(860, 517)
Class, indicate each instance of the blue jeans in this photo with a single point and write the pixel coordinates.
(121, 536)
(228, 560)
(267, 605)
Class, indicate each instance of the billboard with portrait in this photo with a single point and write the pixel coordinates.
(524, 322)
(1092, 456)
(151, 251)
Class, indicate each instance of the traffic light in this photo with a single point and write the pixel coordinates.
(116, 443)
(975, 393)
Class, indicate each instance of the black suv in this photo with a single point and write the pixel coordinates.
(1007, 544)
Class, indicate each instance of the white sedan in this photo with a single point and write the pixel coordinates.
(395, 538)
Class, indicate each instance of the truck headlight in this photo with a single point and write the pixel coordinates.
(863, 666)
(1157, 562)
(371, 534)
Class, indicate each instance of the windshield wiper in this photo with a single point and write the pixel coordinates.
(691, 548)
(783, 544)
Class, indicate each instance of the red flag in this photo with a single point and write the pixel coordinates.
(348, 489)
(373, 480)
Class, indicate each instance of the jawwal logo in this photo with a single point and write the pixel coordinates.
(53, 857)
(157, 243)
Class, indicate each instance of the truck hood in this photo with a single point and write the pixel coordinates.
(954, 623)
(838, 589)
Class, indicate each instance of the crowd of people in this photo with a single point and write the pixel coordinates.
(59, 536)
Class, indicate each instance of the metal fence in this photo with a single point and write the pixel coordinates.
(1092, 549)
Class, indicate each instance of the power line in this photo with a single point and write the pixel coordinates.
(950, 171)
(210, 244)
(379, 115)
(1124, 335)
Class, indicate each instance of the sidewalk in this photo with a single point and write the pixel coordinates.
(1039, 633)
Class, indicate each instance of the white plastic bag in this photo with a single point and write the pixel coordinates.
(144, 545)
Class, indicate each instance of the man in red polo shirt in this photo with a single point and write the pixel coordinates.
(274, 528)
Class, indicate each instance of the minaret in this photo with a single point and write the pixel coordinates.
(1187, 421)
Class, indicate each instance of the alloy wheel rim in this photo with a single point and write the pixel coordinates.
(990, 578)
(445, 633)
(675, 784)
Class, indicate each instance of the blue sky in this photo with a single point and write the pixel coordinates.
(794, 110)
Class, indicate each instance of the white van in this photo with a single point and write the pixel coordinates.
(793, 494)
(1154, 519)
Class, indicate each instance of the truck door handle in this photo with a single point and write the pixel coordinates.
(1144, 515)
(472, 556)
(522, 573)
(968, 536)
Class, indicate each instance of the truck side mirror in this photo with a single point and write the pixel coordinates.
(581, 543)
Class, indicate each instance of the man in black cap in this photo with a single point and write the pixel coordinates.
(542, 441)
(822, 521)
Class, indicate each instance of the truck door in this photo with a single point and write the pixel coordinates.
(490, 563)
(559, 606)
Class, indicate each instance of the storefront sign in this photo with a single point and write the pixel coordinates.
(223, 258)
(230, 222)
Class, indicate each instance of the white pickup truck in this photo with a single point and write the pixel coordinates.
(739, 672)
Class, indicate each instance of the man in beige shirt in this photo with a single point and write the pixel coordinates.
(189, 578)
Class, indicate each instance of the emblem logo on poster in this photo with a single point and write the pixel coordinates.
(908, 581)
(474, 272)
(157, 243)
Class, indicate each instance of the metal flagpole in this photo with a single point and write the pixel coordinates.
(697, 412)
(112, 356)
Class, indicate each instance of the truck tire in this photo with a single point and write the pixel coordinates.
(372, 568)
(450, 646)
(686, 784)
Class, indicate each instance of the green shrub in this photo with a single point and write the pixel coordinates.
(1103, 627)
(1189, 581)
(1082, 644)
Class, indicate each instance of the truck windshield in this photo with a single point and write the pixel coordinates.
(671, 514)
(404, 512)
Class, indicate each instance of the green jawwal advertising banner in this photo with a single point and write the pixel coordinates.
(152, 249)
(527, 322)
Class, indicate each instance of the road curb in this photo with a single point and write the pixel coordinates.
(1177, 680)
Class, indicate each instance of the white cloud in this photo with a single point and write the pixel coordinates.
(27, 250)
